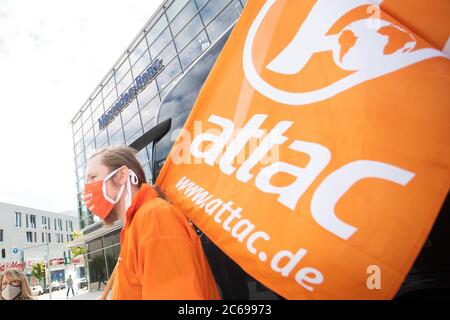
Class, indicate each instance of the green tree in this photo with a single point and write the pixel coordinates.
(38, 270)
(76, 251)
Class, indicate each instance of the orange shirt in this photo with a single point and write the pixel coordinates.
(161, 256)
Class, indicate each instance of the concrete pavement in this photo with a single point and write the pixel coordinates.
(84, 294)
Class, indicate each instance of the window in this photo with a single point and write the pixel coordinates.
(18, 219)
(117, 139)
(147, 94)
(100, 140)
(110, 98)
(114, 126)
(107, 88)
(143, 61)
(70, 226)
(33, 221)
(49, 237)
(129, 112)
(124, 84)
(29, 236)
(160, 43)
(224, 20)
(97, 268)
(88, 135)
(80, 159)
(1, 235)
(194, 49)
(122, 70)
(175, 8)
(111, 239)
(147, 172)
(142, 156)
(138, 51)
(95, 245)
(132, 127)
(183, 17)
(43, 223)
(43, 237)
(3, 253)
(157, 28)
(179, 101)
(26, 219)
(200, 3)
(54, 222)
(112, 255)
(60, 225)
(169, 73)
(189, 32)
(35, 236)
(67, 228)
(210, 10)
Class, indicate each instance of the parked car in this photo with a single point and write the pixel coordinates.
(56, 286)
(37, 290)
(82, 283)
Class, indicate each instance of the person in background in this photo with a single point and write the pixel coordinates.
(14, 285)
(69, 283)
(161, 256)
(101, 279)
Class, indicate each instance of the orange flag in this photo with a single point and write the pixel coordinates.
(317, 155)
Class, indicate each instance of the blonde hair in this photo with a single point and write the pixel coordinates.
(117, 156)
(14, 274)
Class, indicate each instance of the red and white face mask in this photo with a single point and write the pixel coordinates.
(96, 196)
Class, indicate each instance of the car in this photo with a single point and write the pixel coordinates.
(37, 290)
(62, 285)
(56, 286)
(82, 283)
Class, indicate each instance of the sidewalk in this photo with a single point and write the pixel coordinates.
(92, 295)
(80, 295)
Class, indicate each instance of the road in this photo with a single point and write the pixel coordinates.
(79, 295)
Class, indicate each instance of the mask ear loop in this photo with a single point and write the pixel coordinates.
(105, 194)
(132, 179)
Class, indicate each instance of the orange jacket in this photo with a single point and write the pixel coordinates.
(161, 256)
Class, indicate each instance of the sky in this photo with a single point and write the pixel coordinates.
(53, 54)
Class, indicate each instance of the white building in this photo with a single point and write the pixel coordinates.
(24, 234)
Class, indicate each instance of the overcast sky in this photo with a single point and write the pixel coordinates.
(53, 54)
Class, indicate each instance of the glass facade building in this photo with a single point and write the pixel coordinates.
(178, 33)
(129, 97)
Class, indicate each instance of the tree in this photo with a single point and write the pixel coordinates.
(76, 251)
(38, 270)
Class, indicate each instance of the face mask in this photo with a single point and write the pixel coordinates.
(10, 292)
(97, 196)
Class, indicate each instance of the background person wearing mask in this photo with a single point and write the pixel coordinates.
(161, 255)
(14, 286)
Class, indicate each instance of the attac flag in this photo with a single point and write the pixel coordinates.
(317, 155)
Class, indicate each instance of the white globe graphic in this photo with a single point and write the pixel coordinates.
(362, 45)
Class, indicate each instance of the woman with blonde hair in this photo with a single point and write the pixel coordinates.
(14, 285)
